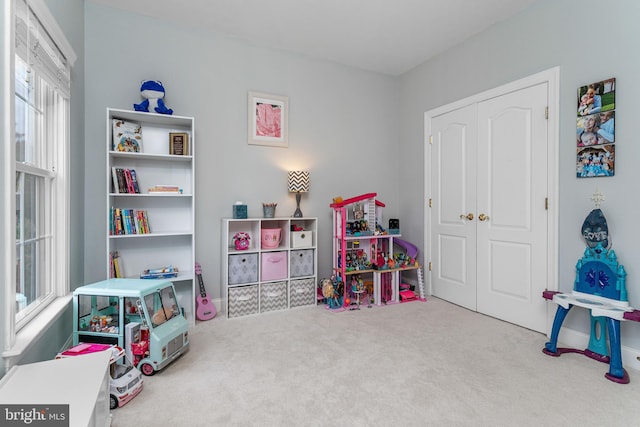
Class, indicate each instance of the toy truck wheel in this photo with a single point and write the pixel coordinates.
(113, 402)
(147, 369)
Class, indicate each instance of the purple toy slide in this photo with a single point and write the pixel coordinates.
(412, 250)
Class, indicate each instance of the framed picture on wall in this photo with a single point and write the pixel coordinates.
(596, 161)
(268, 119)
(595, 129)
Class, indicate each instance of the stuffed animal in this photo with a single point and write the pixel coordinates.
(153, 92)
(161, 316)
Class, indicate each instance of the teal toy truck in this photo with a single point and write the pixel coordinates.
(141, 316)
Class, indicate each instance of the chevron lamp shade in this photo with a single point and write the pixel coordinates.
(299, 182)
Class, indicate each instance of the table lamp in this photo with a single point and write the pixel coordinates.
(298, 183)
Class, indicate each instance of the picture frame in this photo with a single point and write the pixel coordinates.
(595, 129)
(267, 119)
(358, 211)
(179, 143)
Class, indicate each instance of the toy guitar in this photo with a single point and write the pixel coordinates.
(205, 309)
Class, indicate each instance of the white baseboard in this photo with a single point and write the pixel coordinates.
(220, 308)
(580, 340)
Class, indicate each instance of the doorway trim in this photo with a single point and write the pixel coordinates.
(552, 78)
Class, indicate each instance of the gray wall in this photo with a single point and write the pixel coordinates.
(548, 34)
(343, 126)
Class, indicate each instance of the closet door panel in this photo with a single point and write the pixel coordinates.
(512, 218)
(453, 177)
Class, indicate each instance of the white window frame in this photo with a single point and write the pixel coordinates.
(19, 335)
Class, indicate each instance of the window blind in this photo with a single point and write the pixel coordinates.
(37, 48)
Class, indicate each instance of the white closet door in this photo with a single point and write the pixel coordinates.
(511, 192)
(453, 181)
(488, 229)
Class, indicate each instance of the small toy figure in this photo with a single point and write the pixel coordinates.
(380, 261)
(348, 262)
(330, 291)
(241, 240)
(354, 285)
(391, 263)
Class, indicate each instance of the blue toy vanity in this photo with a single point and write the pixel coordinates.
(600, 287)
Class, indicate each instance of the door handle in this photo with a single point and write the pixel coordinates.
(468, 216)
(483, 217)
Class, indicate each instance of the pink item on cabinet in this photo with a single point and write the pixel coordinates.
(274, 266)
(270, 237)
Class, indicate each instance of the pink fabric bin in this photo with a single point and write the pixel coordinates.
(274, 266)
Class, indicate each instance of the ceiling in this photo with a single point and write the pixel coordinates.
(384, 36)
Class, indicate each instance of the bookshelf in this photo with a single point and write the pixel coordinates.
(160, 205)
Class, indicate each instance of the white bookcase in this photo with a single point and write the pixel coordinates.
(260, 279)
(171, 218)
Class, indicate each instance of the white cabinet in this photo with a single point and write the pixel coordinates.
(268, 264)
(163, 198)
(72, 391)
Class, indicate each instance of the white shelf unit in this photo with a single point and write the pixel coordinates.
(82, 383)
(171, 216)
(258, 280)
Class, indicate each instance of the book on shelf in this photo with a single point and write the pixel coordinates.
(127, 136)
(125, 181)
(129, 181)
(142, 224)
(115, 222)
(160, 273)
(128, 221)
(164, 189)
(116, 265)
(116, 174)
(134, 181)
(129, 228)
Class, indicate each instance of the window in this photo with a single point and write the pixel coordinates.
(42, 96)
(161, 305)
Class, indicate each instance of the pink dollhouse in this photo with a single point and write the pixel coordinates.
(363, 249)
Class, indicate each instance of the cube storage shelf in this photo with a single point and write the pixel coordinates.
(170, 214)
(278, 276)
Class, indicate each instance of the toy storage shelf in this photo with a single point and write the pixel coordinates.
(171, 215)
(279, 276)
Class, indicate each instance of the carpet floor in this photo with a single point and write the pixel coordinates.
(414, 364)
